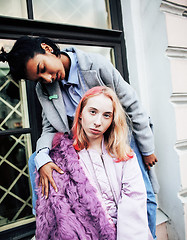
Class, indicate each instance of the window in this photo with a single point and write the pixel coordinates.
(13, 8)
(89, 13)
(15, 149)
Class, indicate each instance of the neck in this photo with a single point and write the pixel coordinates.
(96, 144)
(66, 63)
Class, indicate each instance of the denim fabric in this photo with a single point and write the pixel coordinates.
(151, 200)
(32, 169)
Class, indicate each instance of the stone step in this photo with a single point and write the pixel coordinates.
(161, 226)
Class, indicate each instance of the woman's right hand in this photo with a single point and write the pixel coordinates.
(46, 177)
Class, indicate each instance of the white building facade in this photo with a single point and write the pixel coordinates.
(156, 42)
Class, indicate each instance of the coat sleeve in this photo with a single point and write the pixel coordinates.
(132, 222)
(138, 117)
(48, 132)
(54, 117)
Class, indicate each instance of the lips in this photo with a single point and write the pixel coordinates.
(95, 131)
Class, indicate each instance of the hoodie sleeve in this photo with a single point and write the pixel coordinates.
(132, 222)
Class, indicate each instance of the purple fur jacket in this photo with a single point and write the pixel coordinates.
(74, 212)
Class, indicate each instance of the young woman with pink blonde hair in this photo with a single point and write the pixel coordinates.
(101, 194)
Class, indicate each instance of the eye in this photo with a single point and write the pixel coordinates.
(43, 69)
(92, 112)
(107, 115)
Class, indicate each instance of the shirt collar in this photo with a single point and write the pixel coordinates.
(73, 76)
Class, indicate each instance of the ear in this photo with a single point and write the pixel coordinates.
(47, 48)
(80, 115)
(80, 119)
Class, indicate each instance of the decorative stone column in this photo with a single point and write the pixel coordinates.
(176, 24)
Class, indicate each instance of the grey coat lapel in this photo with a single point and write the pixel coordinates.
(91, 78)
(54, 89)
(85, 66)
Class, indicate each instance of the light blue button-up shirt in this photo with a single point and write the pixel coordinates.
(71, 90)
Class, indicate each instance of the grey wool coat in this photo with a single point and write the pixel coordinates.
(95, 70)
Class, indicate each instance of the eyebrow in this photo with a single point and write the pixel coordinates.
(109, 112)
(38, 66)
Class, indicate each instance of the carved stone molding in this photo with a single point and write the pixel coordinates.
(173, 8)
(176, 52)
(179, 98)
(183, 196)
(181, 145)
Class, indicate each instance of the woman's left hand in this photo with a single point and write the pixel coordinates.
(150, 160)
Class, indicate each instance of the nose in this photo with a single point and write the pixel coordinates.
(97, 122)
(47, 78)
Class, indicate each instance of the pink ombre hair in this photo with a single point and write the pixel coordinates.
(116, 136)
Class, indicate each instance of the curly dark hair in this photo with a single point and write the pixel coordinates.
(24, 49)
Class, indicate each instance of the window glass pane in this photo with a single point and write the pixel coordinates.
(13, 8)
(10, 105)
(13, 108)
(90, 13)
(105, 51)
(15, 195)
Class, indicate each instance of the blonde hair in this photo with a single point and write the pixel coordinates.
(116, 136)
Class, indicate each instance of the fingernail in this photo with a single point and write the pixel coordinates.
(45, 197)
(56, 190)
(61, 171)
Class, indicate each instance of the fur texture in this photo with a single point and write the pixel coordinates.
(74, 212)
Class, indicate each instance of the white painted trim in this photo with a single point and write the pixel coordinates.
(181, 145)
(183, 196)
(176, 52)
(179, 98)
(17, 224)
(173, 8)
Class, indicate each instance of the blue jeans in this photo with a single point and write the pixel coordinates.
(32, 174)
(151, 200)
